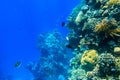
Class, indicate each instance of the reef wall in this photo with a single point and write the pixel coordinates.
(54, 60)
(94, 37)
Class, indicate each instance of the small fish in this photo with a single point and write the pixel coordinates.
(69, 46)
(67, 38)
(63, 24)
(17, 64)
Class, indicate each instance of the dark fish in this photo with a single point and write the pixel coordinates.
(69, 46)
(63, 24)
(17, 64)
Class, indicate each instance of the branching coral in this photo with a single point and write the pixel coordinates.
(105, 27)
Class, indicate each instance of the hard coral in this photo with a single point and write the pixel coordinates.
(117, 50)
(89, 58)
(79, 18)
(112, 2)
(107, 66)
(77, 74)
(105, 28)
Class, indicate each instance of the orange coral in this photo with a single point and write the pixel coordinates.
(105, 27)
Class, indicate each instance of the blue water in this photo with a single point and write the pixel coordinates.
(21, 21)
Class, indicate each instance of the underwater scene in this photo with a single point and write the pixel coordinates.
(60, 40)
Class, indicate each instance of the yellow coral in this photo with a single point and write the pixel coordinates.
(117, 50)
(105, 27)
(89, 57)
(112, 2)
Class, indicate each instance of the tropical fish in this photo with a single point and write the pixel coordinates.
(69, 46)
(17, 64)
(67, 38)
(63, 24)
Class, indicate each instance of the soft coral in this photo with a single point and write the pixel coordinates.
(105, 27)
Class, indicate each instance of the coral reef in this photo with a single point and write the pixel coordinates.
(54, 60)
(95, 36)
(94, 40)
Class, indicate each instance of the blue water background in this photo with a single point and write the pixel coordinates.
(21, 21)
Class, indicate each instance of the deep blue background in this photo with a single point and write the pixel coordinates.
(21, 21)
